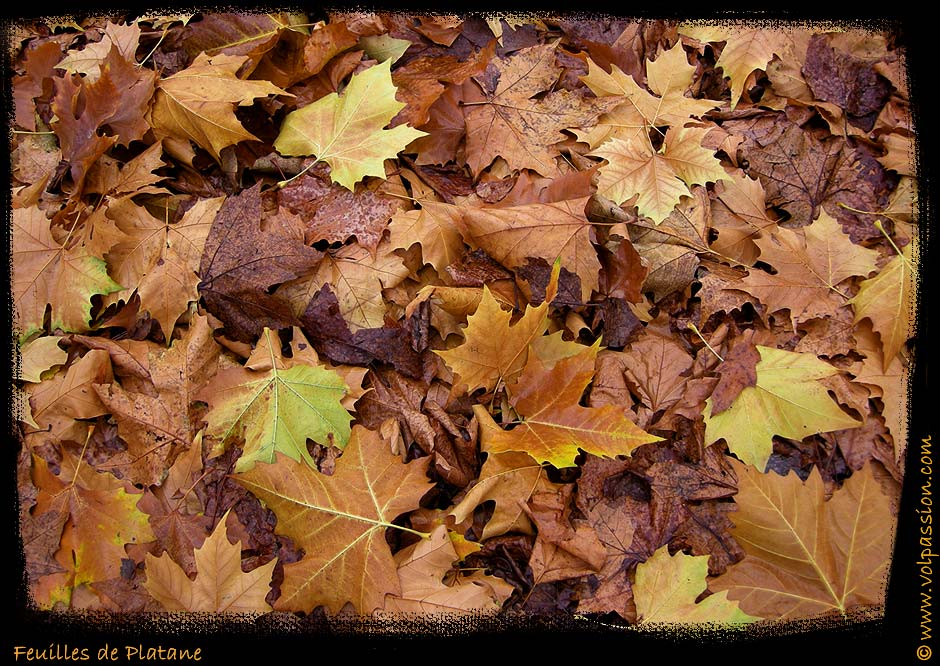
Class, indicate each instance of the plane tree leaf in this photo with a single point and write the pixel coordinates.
(554, 426)
(198, 103)
(103, 519)
(421, 570)
(240, 264)
(160, 259)
(346, 131)
(746, 49)
(658, 178)
(220, 585)
(667, 587)
(276, 409)
(507, 122)
(805, 555)
(810, 265)
(48, 273)
(888, 300)
(548, 231)
(494, 350)
(788, 400)
(340, 521)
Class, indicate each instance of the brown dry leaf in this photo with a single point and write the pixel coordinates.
(48, 273)
(220, 585)
(740, 216)
(117, 100)
(671, 249)
(801, 172)
(810, 268)
(249, 34)
(39, 61)
(889, 383)
(655, 367)
(507, 122)
(38, 356)
(57, 402)
(494, 351)
(153, 416)
(508, 479)
(564, 548)
(547, 231)
(340, 522)
(435, 227)
(177, 516)
(888, 300)
(421, 570)
(669, 77)
(356, 278)
(746, 49)
(657, 178)
(807, 556)
(333, 213)
(420, 82)
(103, 518)
(198, 103)
(240, 263)
(158, 259)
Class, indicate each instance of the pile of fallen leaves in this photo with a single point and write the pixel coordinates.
(444, 314)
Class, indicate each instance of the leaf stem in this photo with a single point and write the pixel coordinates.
(283, 183)
(880, 228)
(156, 46)
(692, 327)
(36, 133)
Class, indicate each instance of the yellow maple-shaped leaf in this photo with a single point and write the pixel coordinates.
(421, 570)
(198, 103)
(787, 401)
(554, 426)
(494, 350)
(276, 408)
(660, 178)
(220, 586)
(340, 522)
(667, 586)
(888, 300)
(345, 131)
(804, 555)
(747, 48)
(47, 273)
